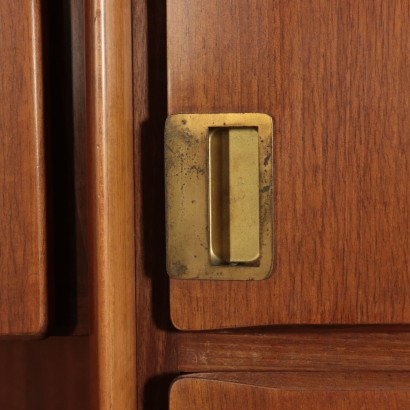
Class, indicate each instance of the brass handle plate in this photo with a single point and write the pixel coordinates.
(219, 216)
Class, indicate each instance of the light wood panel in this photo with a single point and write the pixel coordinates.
(263, 391)
(334, 76)
(296, 349)
(23, 295)
(111, 203)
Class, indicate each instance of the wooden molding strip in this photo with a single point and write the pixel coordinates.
(111, 209)
(298, 349)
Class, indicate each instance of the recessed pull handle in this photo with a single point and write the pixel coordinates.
(219, 196)
(233, 195)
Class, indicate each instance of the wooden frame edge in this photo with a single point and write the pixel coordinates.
(111, 203)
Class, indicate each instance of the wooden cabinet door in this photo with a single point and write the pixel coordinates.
(334, 77)
(23, 287)
(283, 391)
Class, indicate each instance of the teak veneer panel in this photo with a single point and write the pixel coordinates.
(334, 76)
(23, 287)
(348, 391)
(46, 374)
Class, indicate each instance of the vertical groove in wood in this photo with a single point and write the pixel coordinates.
(156, 349)
(110, 144)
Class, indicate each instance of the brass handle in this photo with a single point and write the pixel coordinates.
(218, 183)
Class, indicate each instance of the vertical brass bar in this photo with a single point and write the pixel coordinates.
(243, 195)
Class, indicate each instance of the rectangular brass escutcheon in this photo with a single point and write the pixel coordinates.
(218, 175)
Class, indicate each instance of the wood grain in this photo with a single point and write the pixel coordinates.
(334, 76)
(111, 203)
(23, 287)
(45, 374)
(349, 391)
(296, 349)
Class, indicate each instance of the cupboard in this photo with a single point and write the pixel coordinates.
(329, 327)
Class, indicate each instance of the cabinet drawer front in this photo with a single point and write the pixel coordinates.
(283, 391)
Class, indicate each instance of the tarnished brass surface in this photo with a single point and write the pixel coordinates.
(218, 170)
